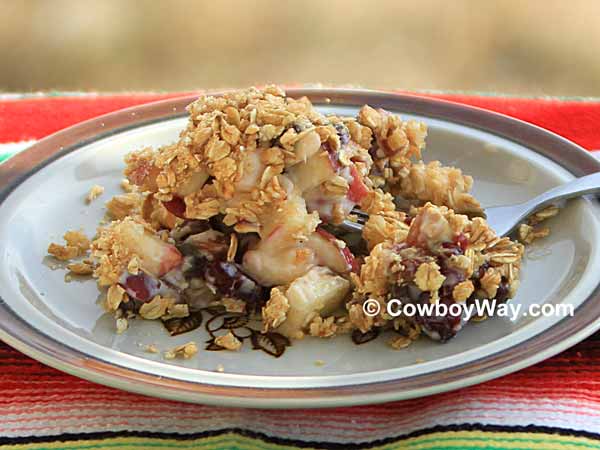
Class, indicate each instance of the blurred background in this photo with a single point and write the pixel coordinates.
(536, 47)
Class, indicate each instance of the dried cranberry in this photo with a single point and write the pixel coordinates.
(333, 158)
(141, 287)
(462, 241)
(176, 206)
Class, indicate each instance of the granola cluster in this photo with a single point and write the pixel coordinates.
(446, 257)
(396, 153)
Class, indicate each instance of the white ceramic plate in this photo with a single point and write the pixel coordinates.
(62, 325)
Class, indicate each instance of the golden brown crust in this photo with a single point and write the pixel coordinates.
(123, 205)
(275, 310)
(112, 251)
(77, 244)
(440, 185)
(185, 351)
(229, 342)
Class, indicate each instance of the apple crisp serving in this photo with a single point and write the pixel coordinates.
(239, 219)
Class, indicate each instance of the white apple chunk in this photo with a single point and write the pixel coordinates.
(331, 252)
(325, 205)
(209, 244)
(292, 216)
(193, 184)
(318, 292)
(281, 255)
(429, 228)
(252, 170)
(312, 172)
(307, 146)
(157, 257)
(271, 266)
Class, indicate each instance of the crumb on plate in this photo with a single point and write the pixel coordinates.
(95, 192)
(185, 351)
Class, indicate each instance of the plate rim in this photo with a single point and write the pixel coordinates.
(22, 336)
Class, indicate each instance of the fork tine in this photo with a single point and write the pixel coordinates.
(348, 225)
(360, 213)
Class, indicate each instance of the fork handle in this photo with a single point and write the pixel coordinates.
(589, 184)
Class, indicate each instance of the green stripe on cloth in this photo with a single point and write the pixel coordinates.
(5, 156)
(445, 440)
(229, 440)
(8, 150)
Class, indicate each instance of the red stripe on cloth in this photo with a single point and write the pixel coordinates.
(571, 379)
(577, 121)
(36, 118)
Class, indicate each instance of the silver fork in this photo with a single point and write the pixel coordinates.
(503, 219)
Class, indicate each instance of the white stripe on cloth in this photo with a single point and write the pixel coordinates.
(12, 148)
(376, 423)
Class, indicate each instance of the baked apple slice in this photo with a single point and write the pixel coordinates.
(318, 292)
(331, 252)
(314, 171)
(157, 257)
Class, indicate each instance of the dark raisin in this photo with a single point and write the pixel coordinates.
(482, 270)
(451, 249)
(400, 293)
(440, 327)
(131, 305)
(503, 291)
(342, 132)
(188, 228)
(453, 276)
(301, 125)
(229, 280)
(209, 244)
(216, 223)
(358, 337)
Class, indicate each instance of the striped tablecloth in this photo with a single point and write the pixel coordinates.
(555, 404)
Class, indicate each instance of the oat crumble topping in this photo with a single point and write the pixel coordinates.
(275, 310)
(228, 342)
